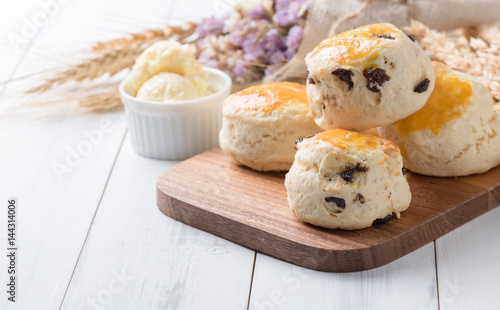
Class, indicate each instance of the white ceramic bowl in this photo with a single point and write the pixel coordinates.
(179, 130)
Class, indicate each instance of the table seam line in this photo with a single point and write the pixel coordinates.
(437, 281)
(93, 218)
(251, 279)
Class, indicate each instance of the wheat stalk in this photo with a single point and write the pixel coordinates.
(109, 58)
(103, 102)
(148, 37)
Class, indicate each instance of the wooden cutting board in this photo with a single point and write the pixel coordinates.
(250, 208)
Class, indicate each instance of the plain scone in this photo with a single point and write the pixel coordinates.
(367, 77)
(261, 123)
(347, 180)
(456, 133)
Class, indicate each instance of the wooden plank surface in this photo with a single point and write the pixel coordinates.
(408, 283)
(55, 213)
(164, 264)
(468, 265)
(210, 192)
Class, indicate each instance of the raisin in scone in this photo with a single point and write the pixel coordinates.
(261, 123)
(346, 180)
(367, 77)
(456, 133)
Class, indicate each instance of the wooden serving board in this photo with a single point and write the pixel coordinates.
(250, 208)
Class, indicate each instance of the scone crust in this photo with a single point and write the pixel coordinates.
(367, 77)
(462, 138)
(362, 173)
(261, 123)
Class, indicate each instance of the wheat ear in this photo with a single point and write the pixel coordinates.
(114, 56)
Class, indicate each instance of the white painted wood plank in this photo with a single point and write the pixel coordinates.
(164, 264)
(12, 15)
(55, 215)
(174, 266)
(407, 283)
(469, 265)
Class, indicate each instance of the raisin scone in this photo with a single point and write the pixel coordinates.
(261, 123)
(347, 180)
(367, 77)
(456, 133)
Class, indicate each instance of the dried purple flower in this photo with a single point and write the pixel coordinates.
(210, 27)
(295, 35)
(251, 43)
(257, 12)
(273, 46)
(287, 12)
(239, 69)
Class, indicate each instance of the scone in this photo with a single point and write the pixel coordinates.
(347, 180)
(456, 133)
(261, 123)
(367, 77)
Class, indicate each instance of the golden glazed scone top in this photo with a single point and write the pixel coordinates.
(448, 101)
(345, 139)
(268, 97)
(356, 45)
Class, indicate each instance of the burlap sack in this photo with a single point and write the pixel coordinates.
(329, 17)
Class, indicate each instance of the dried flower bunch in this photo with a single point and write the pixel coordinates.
(254, 40)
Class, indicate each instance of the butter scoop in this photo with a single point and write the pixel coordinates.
(173, 58)
(169, 87)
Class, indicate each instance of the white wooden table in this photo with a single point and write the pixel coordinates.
(93, 238)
